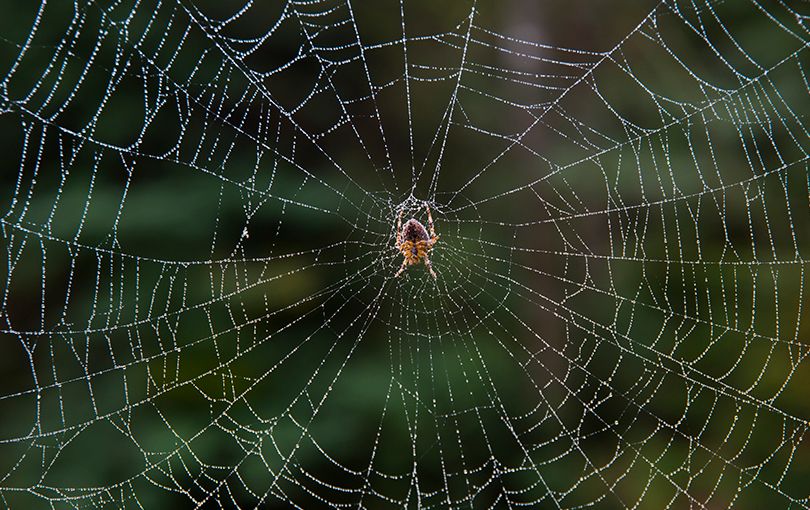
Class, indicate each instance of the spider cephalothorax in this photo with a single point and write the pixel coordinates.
(414, 242)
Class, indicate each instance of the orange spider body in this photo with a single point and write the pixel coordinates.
(414, 242)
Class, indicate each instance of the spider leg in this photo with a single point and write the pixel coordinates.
(399, 229)
(433, 236)
(427, 263)
(430, 223)
(401, 269)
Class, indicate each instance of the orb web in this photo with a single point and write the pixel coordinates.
(200, 305)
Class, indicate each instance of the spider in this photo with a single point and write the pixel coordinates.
(414, 243)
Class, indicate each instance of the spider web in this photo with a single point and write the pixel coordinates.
(199, 306)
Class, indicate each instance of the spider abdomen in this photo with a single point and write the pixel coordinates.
(414, 231)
